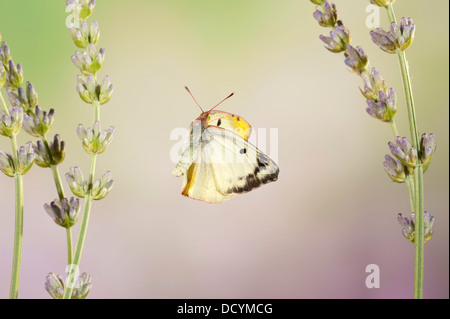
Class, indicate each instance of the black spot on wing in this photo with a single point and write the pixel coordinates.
(243, 151)
(219, 122)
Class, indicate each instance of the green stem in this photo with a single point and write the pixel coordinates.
(411, 189)
(83, 227)
(18, 229)
(96, 111)
(69, 246)
(58, 183)
(394, 128)
(418, 192)
(419, 233)
(3, 104)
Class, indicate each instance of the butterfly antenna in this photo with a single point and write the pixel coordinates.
(222, 101)
(187, 89)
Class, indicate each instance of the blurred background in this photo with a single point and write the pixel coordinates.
(311, 234)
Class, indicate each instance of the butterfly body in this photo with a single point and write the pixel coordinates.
(218, 162)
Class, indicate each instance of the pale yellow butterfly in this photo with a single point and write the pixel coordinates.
(218, 162)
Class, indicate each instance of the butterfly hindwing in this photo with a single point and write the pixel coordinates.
(199, 183)
(239, 167)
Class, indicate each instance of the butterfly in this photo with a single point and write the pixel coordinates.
(218, 162)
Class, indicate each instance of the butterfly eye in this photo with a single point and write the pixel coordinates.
(208, 118)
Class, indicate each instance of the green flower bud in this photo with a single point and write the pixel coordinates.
(102, 186)
(318, 2)
(39, 123)
(26, 158)
(77, 183)
(25, 99)
(82, 287)
(83, 36)
(81, 9)
(427, 149)
(64, 212)
(80, 36)
(5, 55)
(32, 97)
(89, 91)
(86, 88)
(399, 37)
(356, 59)
(338, 39)
(54, 284)
(328, 17)
(373, 83)
(15, 76)
(53, 155)
(95, 140)
(105, 90)
(7, 164)
(395, 169)
(384, 108)
(11, 124)
(404, 151)
(89, 62)
(94, 33)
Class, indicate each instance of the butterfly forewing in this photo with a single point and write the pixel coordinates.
(231, 122)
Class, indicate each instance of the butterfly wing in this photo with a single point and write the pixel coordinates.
(190, 150)
(230, 122)
(199, 183)
(227, 165)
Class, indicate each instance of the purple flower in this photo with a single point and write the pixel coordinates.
(373, 83)
(356, 59)
(427, 149)
(399, 37)
(328, 17)
(385, 107)
(409, 226)
(395, 169)
(404, 151)
(338, 39)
